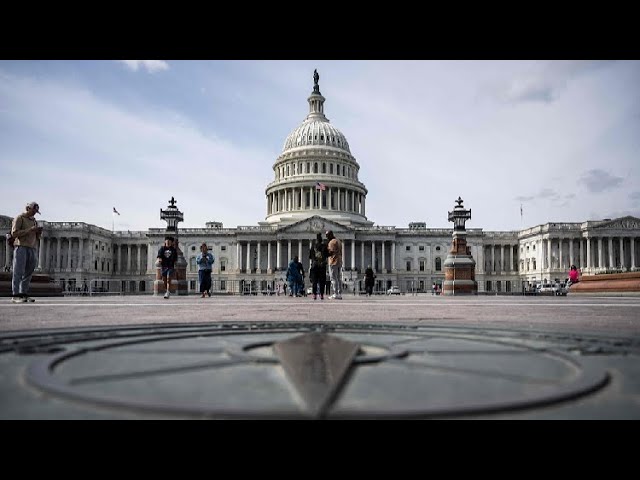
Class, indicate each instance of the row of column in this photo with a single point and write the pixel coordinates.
(300, 248)
(51, 254)
(311, 198)
(496, 256)
(592, 252)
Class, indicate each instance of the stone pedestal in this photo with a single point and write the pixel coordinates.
(614, 283)
(41, 286)
(460, 270)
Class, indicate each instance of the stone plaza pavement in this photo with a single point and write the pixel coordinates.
(612, 315)
(226, 357)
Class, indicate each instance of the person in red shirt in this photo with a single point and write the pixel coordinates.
(574, 275)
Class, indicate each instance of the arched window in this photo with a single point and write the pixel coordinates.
(287, 170)
(438, 264)
(192, 264)
(315, 167)
(300, 168)
(331, 168)
(324, 167)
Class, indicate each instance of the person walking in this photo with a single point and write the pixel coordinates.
(369, 280)
(168, 256)
(25, 233)
(318, 255)
(205, 263)
(334, 247)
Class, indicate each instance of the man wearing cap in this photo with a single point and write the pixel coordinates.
(26, 232)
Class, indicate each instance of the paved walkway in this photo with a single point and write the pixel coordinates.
(615, 315)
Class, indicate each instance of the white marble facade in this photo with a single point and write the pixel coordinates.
(412, 258)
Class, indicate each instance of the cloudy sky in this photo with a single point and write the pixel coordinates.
(560, 138)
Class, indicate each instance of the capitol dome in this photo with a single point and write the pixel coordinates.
(316, 132)
(316, 174)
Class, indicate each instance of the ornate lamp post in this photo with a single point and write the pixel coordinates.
(459, 266)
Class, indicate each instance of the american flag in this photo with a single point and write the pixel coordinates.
(116, 211)
(320, 186)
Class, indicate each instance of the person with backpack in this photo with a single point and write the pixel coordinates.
(318, 255)
(369, 280)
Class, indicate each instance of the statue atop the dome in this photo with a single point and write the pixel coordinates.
(316, 77)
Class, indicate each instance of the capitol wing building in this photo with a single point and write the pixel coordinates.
(315, 188)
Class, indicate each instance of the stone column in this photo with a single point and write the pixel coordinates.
(69, 253)
(249, 265)
(384, 266)
(363, 204)
(278, 253)
(330, 202)
(589, 262)
(300, 251)
(259, 259)
(502, 269)
(600, 253)
(353, 254)
(571, 251)
(58, 249)
(611, 264)
(119, 258)
(633, 253)
(150, 257)
(373, 255)
(393, 256)
(81, 253)
(362, 265)
(138, 248)
(622, 265)
(269, 257)
(560, 253)
(238, 256)
(549, 255)
(289, 252)
(129, 258)
(40, 253)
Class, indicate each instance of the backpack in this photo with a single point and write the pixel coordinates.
(319, 258)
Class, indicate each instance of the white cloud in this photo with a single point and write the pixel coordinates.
(134, 161)
(151, 66)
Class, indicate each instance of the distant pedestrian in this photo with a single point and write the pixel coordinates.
(293, 277)
(205, 263)
(168, 256)
(433, 289)
(301, 287)
(318, 255)
(334, 248)
(369, 280)
(25, 233)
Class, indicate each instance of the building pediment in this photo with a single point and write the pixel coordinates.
(315, 224)
(622, 223)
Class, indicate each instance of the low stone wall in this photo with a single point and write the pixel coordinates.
(608, 283)
(41, 286)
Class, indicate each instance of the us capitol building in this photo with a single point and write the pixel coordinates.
(317, 155)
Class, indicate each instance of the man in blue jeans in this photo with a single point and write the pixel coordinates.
(26, 234)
